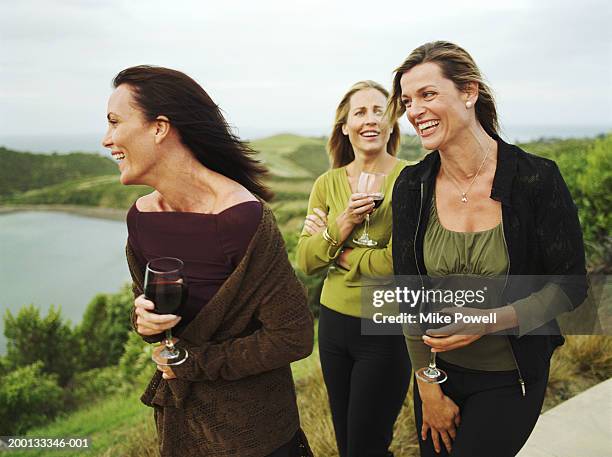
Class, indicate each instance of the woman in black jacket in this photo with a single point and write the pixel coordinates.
(479, 206)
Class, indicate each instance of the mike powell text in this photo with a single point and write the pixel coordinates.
(435, 318)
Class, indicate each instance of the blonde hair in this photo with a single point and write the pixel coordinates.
(339, 146)
(456, 65)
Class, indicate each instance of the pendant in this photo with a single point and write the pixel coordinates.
(464, 197)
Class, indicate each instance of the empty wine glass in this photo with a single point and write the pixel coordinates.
(165, 287)
(431, 374)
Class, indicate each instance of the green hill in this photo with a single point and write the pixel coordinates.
(295, 162)
(22, 171)
(278, 153)
(101, 191)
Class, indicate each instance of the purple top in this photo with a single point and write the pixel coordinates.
(210, 245)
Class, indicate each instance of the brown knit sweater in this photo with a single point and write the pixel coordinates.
(234, 395)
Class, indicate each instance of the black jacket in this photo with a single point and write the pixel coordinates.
(541, 229)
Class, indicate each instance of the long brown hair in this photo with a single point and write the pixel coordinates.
(339, 147)
(458, 66)
(201, 126)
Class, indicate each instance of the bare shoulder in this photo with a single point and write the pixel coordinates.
(149, 202)
(236, 196)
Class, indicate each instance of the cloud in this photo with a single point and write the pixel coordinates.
(277, 65)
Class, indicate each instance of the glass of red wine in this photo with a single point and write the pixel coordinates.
(166, 288)
(372, 184)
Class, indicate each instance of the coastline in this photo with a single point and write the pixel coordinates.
(113, 214)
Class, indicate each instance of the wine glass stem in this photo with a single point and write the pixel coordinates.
(366, 226)
(432, 361)
(168, 342)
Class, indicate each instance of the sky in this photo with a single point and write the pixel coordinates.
(282, 66)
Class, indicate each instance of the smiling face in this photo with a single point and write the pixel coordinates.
(130, 137)
(365, 125)
(434, 106)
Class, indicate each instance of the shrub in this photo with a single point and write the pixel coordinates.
(31, 338)
(104, 329)
(595, 201)
(135, 365)
(89, 385)
(28, 398)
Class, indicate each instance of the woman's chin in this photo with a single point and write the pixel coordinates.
(374, 148)
(429, 143)
(126, 179)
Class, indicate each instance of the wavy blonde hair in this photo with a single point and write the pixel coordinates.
(456, 65)
(339, 147)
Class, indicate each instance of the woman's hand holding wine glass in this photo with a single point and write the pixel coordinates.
(149, 323)
(358, 207)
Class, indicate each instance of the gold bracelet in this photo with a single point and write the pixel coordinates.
(327, 237)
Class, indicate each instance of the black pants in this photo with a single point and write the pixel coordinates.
(367, 378)
(496, 419)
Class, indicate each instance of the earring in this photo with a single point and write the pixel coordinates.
(468, 104)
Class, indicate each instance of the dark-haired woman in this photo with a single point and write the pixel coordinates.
(366, 376)
(246, 317)
(481, 207)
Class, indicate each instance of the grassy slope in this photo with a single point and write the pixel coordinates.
(276, 153)
(294, 162)
(104, 421)
(22, 171)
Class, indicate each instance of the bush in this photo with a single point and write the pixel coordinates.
(28, 398)
(135, 365)
(595, 201)
(90, 385)
(135, 368)
(31, 338)
(104, 329)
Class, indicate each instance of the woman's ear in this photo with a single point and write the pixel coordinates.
(471, 93)
(344, 129)
(162, 128)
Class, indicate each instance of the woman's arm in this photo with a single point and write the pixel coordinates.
(314, 252)
(286, 335)
(369, 262)
(440, 414)
(560, 241)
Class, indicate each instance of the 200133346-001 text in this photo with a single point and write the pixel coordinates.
(8, 443)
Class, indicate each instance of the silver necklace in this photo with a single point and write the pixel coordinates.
(464, 194)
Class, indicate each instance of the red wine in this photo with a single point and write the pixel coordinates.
(168, 296)
(378, 198)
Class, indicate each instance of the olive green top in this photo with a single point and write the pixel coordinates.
(342, 288)
(448, 253)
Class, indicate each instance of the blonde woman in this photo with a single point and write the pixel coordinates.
(366, 376)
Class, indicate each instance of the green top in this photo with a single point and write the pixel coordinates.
(481, 253)
(342, 288)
